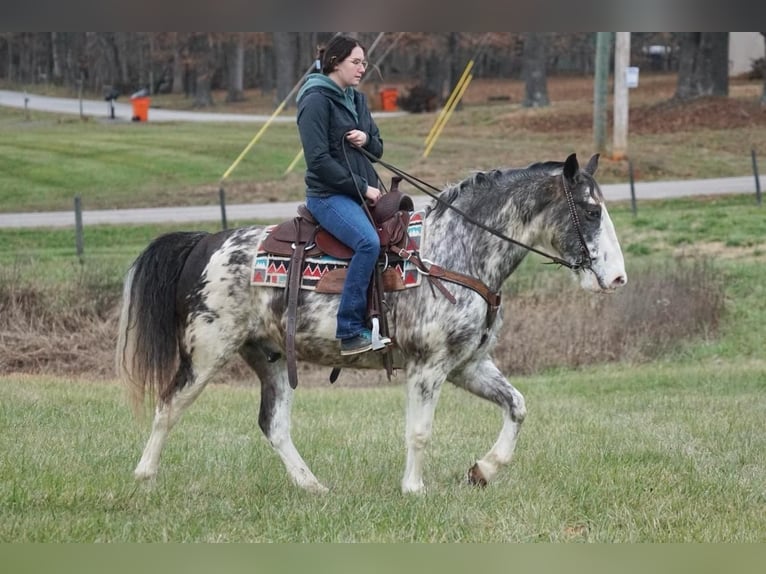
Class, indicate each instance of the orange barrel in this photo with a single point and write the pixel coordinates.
(140, 108)
(388, 99)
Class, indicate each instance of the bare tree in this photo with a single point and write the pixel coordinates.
(284, 61)
(235, 65)
(703, 68)
(763, 71)
(534, 70)
(202, 51)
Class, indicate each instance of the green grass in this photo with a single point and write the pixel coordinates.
(666, 454)
(670, 451)
(47, 160)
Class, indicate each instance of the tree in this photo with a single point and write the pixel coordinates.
(534, 72)
(703, 68)
(235, 64)
(285, 44)
(202, 50)
(763, 71)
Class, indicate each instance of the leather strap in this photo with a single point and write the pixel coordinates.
(437, 273)
(293, 292)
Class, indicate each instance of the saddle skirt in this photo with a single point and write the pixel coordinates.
(325, 273)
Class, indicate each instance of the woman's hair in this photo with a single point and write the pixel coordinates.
(337, 50)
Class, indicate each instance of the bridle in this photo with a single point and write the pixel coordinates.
(585, 262)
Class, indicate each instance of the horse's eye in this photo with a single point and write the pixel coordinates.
(593, 213)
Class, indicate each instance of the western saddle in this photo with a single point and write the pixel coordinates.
(302, 237)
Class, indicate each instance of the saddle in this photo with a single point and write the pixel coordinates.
(303, 237)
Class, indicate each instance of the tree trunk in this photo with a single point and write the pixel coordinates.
(284, 61)
(534, 71)
(763, 71)
(703, 68)
(9, 39)
(235, 63)
(203, 54)
(55, 59)
(178, 65)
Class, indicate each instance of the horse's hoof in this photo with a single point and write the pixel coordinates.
(144, 476)
(475, 476)
(316, 488)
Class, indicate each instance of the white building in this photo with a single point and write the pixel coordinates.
(744, 47)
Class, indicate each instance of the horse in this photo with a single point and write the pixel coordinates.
(188, 306)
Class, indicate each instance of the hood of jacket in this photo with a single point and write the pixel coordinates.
(320, 82)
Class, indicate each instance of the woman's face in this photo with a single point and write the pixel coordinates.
(350, 71)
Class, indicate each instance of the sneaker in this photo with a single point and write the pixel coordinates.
(356, 344)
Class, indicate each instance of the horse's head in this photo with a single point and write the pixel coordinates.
(585, 233)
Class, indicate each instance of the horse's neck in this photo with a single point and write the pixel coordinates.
(457, 244)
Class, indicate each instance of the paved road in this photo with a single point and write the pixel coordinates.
(124, 111)
(276, 211)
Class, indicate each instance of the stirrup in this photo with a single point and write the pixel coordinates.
(378, 342)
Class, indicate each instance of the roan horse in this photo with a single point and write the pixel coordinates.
(188, 306)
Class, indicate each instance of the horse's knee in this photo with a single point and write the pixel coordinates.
(518, 408)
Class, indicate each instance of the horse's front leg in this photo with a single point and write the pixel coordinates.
(274, 416)
(484, 379)
(423, 388)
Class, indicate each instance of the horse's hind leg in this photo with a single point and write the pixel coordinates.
(166, 415)
(209, 346)
(274, 416)
(484, 379)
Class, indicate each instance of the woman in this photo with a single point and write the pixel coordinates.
(334, 121)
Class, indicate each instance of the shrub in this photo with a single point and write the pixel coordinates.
(419, 99)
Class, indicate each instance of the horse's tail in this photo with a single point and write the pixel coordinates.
(149, 332)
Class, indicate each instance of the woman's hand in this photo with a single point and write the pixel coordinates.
(372, 194)
(356, 137)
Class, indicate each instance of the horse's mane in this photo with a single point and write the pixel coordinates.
(481, 182)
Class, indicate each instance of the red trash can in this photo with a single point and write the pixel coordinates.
(140, 108)
(388, 99)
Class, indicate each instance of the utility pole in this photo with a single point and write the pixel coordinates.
(603, 49)
(621, 63)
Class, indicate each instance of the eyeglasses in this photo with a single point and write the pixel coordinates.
(358, 62)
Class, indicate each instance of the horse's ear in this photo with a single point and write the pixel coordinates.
(481, 178)
(571, 167)
(592, 164)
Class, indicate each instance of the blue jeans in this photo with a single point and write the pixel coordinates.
(345, 219)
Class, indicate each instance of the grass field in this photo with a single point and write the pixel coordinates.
(658, 448)
(47, 159)
(664, 454)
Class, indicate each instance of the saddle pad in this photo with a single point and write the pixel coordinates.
(271, 270)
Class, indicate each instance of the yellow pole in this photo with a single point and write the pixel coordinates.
(447, 116)
(293, 163)
(445, 110)
(254, 140)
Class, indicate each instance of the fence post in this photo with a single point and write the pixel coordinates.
(632, 189)
(222, 201)
(757, 180)
(78, 227)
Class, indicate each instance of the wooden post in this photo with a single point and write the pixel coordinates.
(78, 227)
(222, 201)
(632, 189)
(600, 83)
(621, 63)
(757, 179)
(79, 93)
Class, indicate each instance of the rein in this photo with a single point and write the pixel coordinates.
(585, 260)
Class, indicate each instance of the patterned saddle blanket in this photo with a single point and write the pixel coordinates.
(325, 274)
